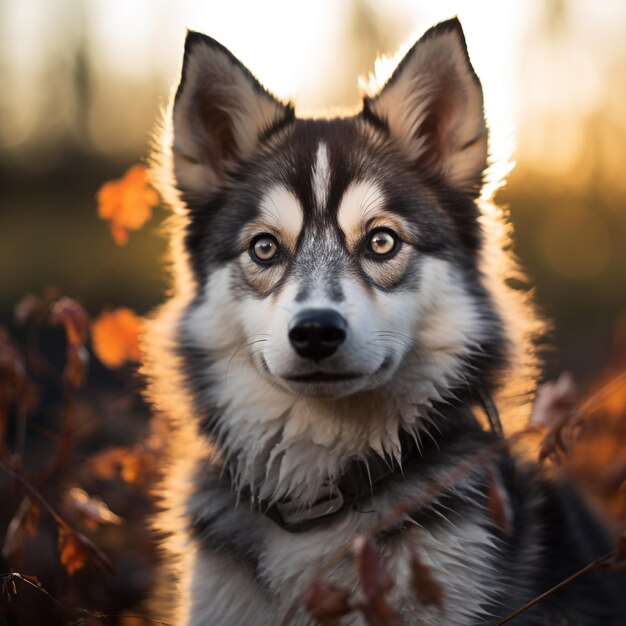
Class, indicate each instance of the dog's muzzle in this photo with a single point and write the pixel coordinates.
(317, 333)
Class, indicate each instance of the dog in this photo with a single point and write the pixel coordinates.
(340, 312)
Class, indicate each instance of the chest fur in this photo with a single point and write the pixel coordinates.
(453, 537)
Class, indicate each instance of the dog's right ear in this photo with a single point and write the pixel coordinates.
(220, 113)
(433, 107)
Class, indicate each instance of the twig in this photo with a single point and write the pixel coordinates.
(398, 513)
(570, 579)
(30, 580)
(450, 479)
(20, 432)
(68, 426)
(433, 489)
(35, 494)
(63, 452)
(44, 432)
(36, 360)
(597, 398)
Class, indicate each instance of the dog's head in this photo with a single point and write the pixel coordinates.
(334, 258)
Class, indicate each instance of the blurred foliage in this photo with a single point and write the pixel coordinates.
(78, 113)
(73, 426)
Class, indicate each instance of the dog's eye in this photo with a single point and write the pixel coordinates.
(264, 248)
(382, 242)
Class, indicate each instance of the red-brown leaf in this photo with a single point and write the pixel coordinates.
(79, 505)
(427, 590)
(555, 402)
(24, 523)
(28, 308)
(31, 520)
(378, 612)
(555, 410)
(15, 384)
(74, 319)
(12, 369)
(327, 602)
(618, 562)
(375, 578)
(498, 502)
(75, 371)
(32, 309)
(376, 583)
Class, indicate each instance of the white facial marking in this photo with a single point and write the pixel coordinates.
(321, 177)
(360, 202)
(282, 210)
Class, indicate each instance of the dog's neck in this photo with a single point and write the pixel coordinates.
(280, 447)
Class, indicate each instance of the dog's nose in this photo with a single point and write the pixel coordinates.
(317, 333)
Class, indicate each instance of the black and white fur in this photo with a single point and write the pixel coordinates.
(429, 329)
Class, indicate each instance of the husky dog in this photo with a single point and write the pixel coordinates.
(340, 311)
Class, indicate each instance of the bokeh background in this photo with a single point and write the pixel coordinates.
(82, 86)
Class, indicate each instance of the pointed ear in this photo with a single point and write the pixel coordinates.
(433, 106)
(220, 113)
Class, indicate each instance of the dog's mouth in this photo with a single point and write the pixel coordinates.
(324, 383)
(323, 377)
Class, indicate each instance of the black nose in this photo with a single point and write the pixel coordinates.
(317, 333)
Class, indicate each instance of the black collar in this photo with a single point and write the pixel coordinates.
(361, 480)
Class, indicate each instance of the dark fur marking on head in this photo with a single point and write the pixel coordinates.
(371, 118)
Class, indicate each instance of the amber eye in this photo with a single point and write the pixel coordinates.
(264, 248)
(382, 242)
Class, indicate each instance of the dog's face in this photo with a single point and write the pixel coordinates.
(336, 256)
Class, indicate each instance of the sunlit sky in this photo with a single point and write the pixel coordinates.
(534, 57)
(85, 79)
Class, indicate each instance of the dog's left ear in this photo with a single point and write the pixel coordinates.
(433, 106)
(220, 115)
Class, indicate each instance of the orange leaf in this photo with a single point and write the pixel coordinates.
(115, 336)
(127, 202)
(140, 466)
(106, 464)
(76, 551)
(73, 553)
